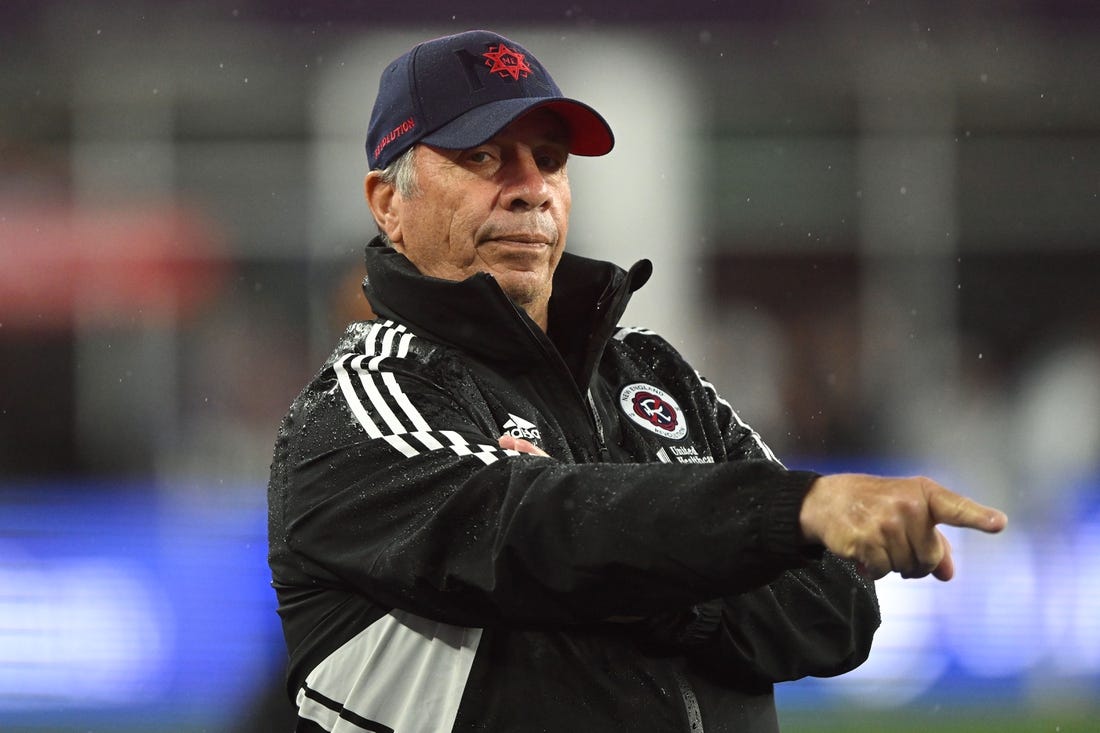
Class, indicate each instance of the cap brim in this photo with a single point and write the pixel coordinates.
(589, 133)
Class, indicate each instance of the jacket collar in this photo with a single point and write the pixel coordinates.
(475, 316)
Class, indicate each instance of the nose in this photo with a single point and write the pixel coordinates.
(524, 185)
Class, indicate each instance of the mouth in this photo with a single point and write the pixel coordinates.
(518, 239)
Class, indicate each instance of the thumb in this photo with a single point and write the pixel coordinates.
(946, 569)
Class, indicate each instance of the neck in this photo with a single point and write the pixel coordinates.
(539, 313)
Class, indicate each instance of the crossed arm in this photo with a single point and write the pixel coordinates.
(882, 524)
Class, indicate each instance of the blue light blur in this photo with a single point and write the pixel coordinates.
(134, 604)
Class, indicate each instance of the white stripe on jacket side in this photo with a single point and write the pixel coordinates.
(383, 409)
(403, 672)
(741, 423)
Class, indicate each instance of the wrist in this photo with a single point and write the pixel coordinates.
(807, 514)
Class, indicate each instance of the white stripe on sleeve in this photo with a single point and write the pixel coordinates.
(377, 400)
(354, 404)
(381, 406)
(403, 401)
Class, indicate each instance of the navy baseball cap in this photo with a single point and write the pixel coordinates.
(458, 91)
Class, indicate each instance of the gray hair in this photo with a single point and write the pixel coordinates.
(401, 174)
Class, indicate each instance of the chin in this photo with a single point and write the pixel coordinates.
(524, 293)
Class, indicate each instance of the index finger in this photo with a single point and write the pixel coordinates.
(947, 507)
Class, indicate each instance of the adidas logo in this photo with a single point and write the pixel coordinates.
(517, 427)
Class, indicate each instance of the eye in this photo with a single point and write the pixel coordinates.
(479, 156)
(551, 161)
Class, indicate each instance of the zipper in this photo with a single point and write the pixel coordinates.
(601, 438)
(691, 703)
(587, 400)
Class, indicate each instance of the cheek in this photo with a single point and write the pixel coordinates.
(423, 224)
(565, 198)
(439, 237)
(463, 223)
(563, 214)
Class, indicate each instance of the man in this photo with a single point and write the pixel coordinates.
(495, 509)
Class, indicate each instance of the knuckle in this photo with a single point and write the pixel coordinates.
(891, 525)
(912, 506)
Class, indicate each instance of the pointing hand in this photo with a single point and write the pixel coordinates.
(889, 524)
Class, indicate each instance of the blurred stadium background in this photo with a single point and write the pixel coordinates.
(876, 227)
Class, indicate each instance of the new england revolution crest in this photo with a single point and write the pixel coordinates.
(653, 409)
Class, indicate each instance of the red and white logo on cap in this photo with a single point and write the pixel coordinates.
(506, 62)
(653, 409)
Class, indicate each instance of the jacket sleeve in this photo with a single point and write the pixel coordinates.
(816, 620)
(396, 490)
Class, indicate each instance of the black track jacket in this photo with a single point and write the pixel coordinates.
(648, 576)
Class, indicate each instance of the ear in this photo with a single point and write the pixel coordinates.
(383, 200)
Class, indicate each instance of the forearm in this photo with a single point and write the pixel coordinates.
(532, 540)
(814, 621)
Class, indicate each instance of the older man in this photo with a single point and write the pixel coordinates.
(496, 509)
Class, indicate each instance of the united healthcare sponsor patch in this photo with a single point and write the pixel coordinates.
(654, 410)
